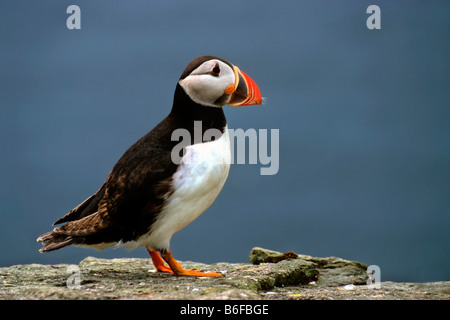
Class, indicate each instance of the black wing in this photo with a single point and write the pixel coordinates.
(128, 202)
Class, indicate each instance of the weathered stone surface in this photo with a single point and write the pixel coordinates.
(330, 271)
(260, 255)
(303, 277)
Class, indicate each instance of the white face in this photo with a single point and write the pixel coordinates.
(206, 85)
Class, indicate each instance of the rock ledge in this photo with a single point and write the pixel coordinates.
(270, 276)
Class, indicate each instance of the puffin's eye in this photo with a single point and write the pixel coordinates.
(216, 70)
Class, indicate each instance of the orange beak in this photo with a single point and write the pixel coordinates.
(246, 91)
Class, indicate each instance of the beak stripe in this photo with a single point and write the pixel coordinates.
(236, 76)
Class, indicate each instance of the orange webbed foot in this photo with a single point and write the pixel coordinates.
(179, 271)
(197, 273)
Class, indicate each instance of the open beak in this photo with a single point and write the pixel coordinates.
(246, 92)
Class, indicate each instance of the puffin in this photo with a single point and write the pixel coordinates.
(168, 177)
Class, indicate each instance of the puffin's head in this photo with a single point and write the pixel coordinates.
(214, 82)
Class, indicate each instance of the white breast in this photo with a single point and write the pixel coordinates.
(197, 182)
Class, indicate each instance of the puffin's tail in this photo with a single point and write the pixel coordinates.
(53, 241)
(88, 230)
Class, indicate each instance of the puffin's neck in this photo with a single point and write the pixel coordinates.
(186, 111)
